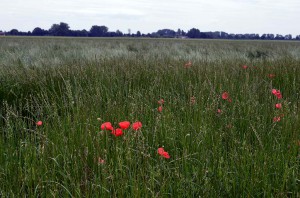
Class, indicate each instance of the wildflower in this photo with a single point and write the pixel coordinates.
(159, 109)
(106, 126)
(278, 106)
(124, 124)
(100, 161)
(245, 66)
(225, 95)
(160, 150)
(274, 91)
(163, 153)
(117, 132)
(219, 111)
(277, 93)
(188, 64)
(161, 101)
(136, 126)
(276, 119)
(271, 75)
(193, 100)
(39, 123)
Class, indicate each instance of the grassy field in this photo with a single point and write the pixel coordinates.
(218, 122)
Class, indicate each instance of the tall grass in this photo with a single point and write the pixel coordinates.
(74, 85)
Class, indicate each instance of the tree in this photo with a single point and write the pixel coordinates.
(61, 29)
(79, 33)
(14, 32)
(193, 33)
(39, 32)
(119, 33)
(166, 33)
(138, 34)
(279, 37)
(96, 31)
(264, 36)
(288, 37)
(178, 33)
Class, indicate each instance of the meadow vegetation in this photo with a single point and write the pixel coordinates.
(230, 145)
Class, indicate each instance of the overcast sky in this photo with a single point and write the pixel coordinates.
(231, 16)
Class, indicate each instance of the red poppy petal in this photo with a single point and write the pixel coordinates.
(166, 155)
(159, 109)
(278, 106)
(106, 126)
(124, 124)
(39, 123)
(117, 132)
(136, 126)
(225, 95)
(160, 151)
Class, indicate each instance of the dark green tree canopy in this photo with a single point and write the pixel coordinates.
(166, 33)
(61, 29)
(194, 33)
(98, 30)
(39, 32)
(14, 32)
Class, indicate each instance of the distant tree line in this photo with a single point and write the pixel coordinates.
(63, 29)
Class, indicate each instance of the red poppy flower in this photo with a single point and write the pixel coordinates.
(225, 95)
(219, 111)
(277, 93)
(276, 119)
(101, 161)
(166, 155)
(117, 132)
(245, 66)
(163, 153)
(107, 126)
(160, 150)
(39, 123)
(161, 101)
(193, 100)
(159, 109)
(188, 64)
(136, 126)
(124, 124)
(278, 106)
(271, 75)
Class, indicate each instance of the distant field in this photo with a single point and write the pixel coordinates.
(229, 118)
